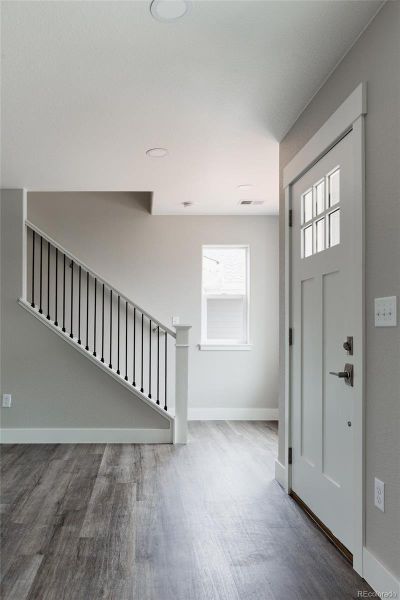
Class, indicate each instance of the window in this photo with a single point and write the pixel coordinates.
(225, 297)
(320, 225)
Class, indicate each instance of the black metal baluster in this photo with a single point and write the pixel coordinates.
(110, 365)
(56, 285)
(95, 311)
(71, 335)
(134, 346)
(63, 327)
(33, 269)
(150, 359)
(102, 329)
(118, 328)
(158, 365)
(142, 388)
(48, 281)
(165, 391)
(87, 311)
(79, 305)
(41, 274)
(126, 340)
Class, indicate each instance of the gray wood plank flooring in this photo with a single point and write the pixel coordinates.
(204, 521)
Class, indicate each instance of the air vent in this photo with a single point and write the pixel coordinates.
(251, 202)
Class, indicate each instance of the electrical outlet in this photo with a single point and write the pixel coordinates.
(379, 494)
(6, 400)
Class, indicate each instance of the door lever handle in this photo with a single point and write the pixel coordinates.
(347, 374)
(341, 374)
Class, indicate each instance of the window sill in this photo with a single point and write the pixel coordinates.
(222, 347)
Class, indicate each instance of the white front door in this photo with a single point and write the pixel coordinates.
(324, 309)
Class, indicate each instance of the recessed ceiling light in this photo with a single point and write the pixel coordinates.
(187, 203)
(157, 152)
(245, 186)
(169, 10)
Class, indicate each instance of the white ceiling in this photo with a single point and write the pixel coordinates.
(88, 87)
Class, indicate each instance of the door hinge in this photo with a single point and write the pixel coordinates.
(290, 336)
(290, 217)
(290, 457)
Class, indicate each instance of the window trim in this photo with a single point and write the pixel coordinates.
(206, 344)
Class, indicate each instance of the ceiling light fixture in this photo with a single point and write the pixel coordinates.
(157, 152)
(187, 203)
(245, 186)
(167, 11)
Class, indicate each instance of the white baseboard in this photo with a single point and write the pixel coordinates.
(233, 414)
(280, 473)
(378, 577)
(86, 436)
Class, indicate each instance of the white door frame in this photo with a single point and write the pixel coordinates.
(348, 117)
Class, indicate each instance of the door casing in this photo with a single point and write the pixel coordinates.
(350, 116)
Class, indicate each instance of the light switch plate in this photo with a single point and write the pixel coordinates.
(175, 320)
(6, 400)
(386, 312)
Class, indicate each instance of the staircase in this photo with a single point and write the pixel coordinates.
(137, 350)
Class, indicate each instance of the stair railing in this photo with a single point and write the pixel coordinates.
(135, 345)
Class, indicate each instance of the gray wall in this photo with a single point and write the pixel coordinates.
(374, 59)
(52, 386)
(156, 261)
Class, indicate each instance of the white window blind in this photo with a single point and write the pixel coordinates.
(225, 295)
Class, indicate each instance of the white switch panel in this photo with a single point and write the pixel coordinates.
(6, 400)
(385, 312)
(175, 320)
(379, 494)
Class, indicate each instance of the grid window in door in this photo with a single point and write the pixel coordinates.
(320, 215)
(225, 298)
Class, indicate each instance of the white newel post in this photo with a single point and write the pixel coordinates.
(181, 384)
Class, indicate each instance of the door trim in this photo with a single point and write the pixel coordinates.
(350, 116)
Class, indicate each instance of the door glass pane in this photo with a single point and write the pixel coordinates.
(319, 191)
(307, 241)
(307, 206)
(320, 235)
(334, 228)
(334, 188)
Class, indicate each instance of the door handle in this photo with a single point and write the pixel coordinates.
(341, 374)
(347, 374)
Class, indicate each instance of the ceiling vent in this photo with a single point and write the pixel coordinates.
(251, 202)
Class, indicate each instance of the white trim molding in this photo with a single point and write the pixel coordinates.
(379, 578)
(223, 347)
(348, 117)
(85, 436)
(328, 135)
(280, 474)
(233, 414)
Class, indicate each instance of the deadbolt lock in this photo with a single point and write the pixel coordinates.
(347, 374)
(348, 345)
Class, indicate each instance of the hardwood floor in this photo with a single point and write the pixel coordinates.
(204, 521)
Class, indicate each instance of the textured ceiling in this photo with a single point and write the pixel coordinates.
(88, 87)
